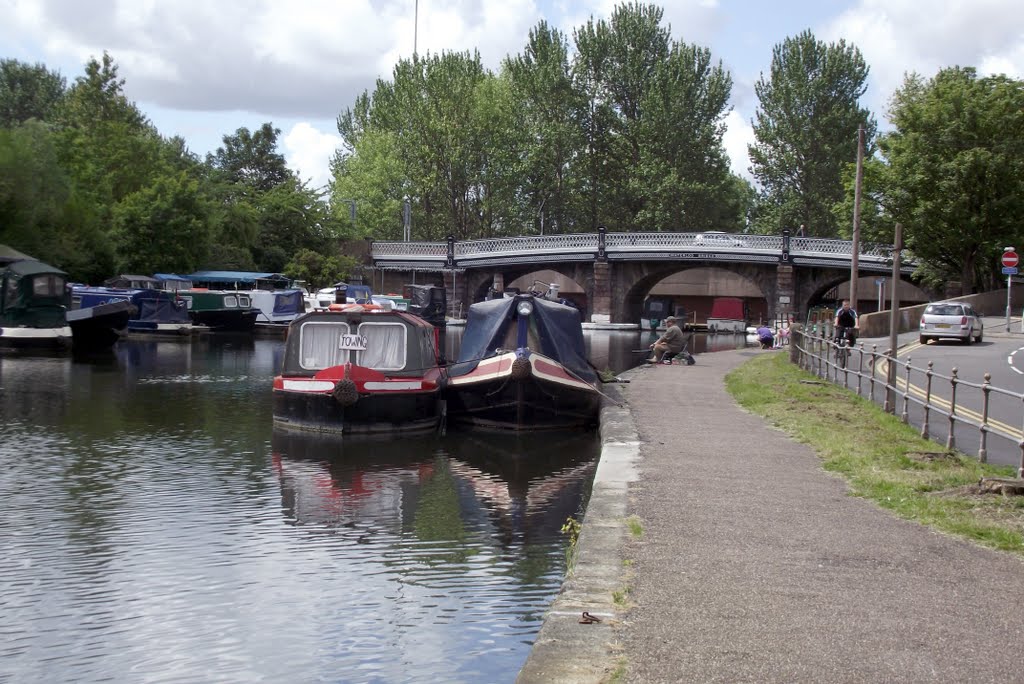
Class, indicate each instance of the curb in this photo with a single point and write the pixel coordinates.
(566, 650)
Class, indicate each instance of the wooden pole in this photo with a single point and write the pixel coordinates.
(855, 259)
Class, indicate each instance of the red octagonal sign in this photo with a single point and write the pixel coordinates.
(1010, 259)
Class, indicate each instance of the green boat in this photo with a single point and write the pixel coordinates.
(34, 300)
(220, 310)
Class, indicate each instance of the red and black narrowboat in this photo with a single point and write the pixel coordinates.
(357, 369)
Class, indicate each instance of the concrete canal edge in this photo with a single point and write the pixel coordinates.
(566, 649)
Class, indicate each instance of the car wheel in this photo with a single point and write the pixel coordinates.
(981, 334)
(924, 340)
(970, 338)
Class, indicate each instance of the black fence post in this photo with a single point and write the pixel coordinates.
(785, 246)
(601, 255)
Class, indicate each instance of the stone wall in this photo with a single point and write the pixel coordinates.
(909, 318)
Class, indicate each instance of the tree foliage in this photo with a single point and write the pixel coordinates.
(955, 171)
(28, 91)
(625, 133)
(806, 132)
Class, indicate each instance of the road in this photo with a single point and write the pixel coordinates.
(1001, 355)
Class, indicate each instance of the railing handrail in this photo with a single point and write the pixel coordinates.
(816, 354)
(573, 244)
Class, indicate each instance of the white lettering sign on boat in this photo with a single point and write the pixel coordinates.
(353, 342)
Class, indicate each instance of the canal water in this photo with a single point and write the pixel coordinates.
(156, 528)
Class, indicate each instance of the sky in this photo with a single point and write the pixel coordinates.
(202, 69)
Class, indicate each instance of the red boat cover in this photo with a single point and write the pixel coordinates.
(729, 308)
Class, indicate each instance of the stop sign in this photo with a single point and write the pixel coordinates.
(1010, 259)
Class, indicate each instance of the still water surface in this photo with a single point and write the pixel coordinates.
(157, 529)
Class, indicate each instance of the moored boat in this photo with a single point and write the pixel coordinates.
(34, 299)
(357, 369)
(153, 312)
(522, 366)
(99, 326)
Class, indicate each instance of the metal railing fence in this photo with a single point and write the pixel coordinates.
(950, 400)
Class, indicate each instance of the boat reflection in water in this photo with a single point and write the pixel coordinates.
(489, 483)
(452, 549)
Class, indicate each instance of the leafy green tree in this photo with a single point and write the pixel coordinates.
(319, 270)
(28, 91)
(682, 177)
(251, 160)
(41, 213)
(109, 148)
(546, 104)
(955, 174)
(163, 227)
(373, 176)
(291, 217)
(806, 132)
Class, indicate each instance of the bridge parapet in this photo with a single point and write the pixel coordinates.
(619, 246)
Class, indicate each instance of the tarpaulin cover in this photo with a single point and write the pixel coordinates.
(160, 307)
(557, 329)
(289, 301)
(246, 278)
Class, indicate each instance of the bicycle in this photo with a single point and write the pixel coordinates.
(843, 341)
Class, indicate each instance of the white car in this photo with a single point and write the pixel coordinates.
(951, 320)
(717, 238)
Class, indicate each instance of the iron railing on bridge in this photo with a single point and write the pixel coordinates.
(953, 400)
(616, 246)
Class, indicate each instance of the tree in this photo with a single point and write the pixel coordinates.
(546, 106)
(319, 270)
(28, 92)
(806, 132)
(955, 174)
(250, 159)
(163, 227)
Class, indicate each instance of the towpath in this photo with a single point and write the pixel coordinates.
(756, 565)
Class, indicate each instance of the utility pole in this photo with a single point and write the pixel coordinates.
(894, 321)
(415, 27)
(855, 259)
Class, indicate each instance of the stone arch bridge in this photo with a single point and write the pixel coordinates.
(618, 270)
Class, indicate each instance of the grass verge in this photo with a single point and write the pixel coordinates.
(882, 459)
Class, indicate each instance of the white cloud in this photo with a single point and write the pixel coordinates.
(901, 36)
(308, 152)
(738, 135)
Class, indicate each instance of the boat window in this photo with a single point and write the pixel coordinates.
(386, 345)
(231, 301)
(318, 345)
(48, 286)
(244, 302)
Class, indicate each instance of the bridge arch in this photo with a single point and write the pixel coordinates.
(637, 280)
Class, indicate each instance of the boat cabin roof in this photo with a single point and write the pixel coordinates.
(387, 341)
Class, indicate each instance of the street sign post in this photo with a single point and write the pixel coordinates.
(1009, 260)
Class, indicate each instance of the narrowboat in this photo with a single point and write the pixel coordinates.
(358, 369)
(153, 312)
(99, 326)
(34, 299)
(522, 366)
(272, 295)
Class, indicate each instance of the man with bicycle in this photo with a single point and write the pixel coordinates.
(846, 324)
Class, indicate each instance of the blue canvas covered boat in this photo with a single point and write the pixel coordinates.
(155, 312)
(522, 366)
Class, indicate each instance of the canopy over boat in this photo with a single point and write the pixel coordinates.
(33, 294)
(555, 332)
(239, 280)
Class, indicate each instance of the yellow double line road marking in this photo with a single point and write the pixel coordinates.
(901, 384)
